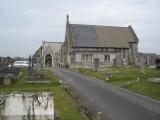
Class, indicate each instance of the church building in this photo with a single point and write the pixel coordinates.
(86, 45)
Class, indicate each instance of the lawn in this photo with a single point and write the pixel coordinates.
(64, 104)
(129, 78)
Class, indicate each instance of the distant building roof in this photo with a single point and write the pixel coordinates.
(102, 36)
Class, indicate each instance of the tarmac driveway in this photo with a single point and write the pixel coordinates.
(114, 102)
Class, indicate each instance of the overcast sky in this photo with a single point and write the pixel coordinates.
(25, 23)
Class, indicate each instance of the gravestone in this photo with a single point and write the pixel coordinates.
(157, 61)
(154, 80)
(99, 116)
(124, 61)
(96, 64)
(27, 106)
(37, 65)
(115, 62)
(142, 66)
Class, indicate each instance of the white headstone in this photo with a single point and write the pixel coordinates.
(28, 106)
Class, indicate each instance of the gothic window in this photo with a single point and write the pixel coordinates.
(86, 57)
(124, 53)
(48, 60)
(83, 58)
(107, 58)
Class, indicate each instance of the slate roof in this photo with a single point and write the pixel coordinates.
(102, 36)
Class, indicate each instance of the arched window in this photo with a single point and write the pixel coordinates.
(48, 60)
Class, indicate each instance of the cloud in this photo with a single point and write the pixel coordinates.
(25, 23)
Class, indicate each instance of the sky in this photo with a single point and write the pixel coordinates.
(25, 23)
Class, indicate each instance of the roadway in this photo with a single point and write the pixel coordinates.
(114, 102)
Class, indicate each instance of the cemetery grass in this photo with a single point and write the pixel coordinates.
(64, 103)
(129, 78)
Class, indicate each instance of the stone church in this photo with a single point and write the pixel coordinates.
(86, 45)
(48, 55)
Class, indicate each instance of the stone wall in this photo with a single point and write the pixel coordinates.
(121, 56)
(80, 59)
(64, 54)
(133, 53)
(148, 58)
